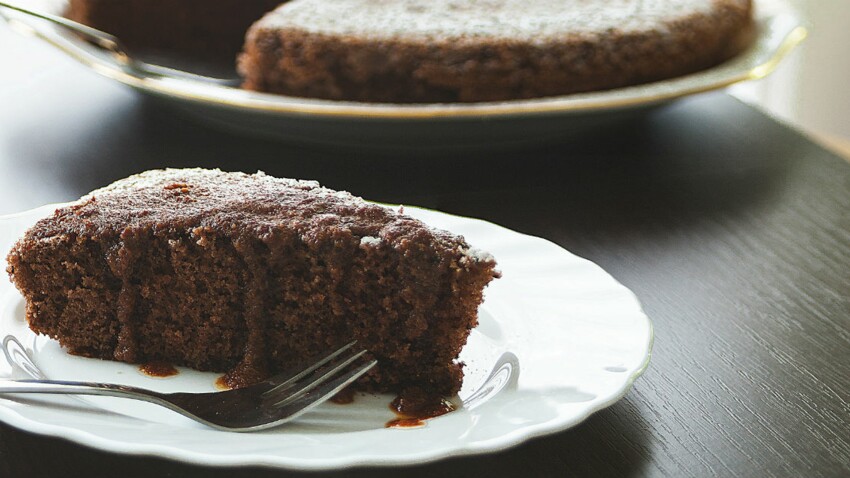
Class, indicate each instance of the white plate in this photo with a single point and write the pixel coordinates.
(579, 337)
(414, 127)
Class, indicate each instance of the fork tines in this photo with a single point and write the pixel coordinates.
(324, 378)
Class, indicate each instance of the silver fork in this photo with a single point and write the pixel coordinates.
(267, 404)
(117, 51)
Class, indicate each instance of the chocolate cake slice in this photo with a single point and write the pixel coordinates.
(250, 274)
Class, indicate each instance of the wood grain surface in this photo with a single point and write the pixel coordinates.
(731, 229)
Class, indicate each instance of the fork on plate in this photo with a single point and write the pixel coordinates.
(267, 404)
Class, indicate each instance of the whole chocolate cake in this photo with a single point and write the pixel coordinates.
(251, 274)
(485, 50)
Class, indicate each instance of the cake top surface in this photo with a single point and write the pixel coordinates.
(527, 20)
(184, 200)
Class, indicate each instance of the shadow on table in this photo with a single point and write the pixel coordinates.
(687, 156)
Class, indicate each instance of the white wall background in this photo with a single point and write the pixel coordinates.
(812, 87)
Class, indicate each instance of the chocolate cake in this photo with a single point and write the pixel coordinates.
(250, 274)
(485, 50)
(211, 30)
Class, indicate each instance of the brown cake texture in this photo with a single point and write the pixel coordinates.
(485, 50)
(212, 30)
(251, 274)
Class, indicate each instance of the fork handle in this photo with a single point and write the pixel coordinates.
(100, 38)
(78, 388)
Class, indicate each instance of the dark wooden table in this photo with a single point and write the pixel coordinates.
(733, 230)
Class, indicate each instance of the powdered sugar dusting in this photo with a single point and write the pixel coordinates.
(479, 255)
(370, 241)
(533, 20)
(202, 199)
(149, 179)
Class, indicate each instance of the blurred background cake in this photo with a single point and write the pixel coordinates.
(209, 30)
(439, 50)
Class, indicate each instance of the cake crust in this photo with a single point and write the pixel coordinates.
(250, 274)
